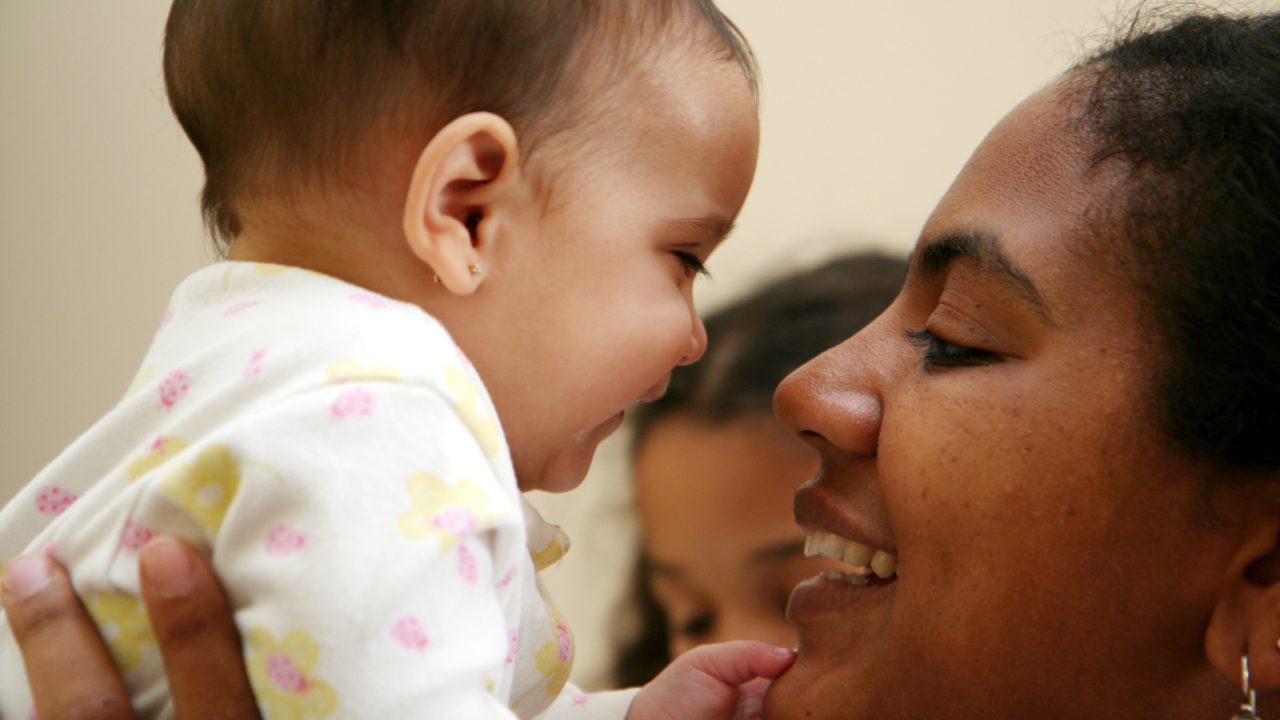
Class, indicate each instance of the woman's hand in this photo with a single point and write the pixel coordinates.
(189, 615)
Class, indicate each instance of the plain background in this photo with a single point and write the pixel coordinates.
(868, 111)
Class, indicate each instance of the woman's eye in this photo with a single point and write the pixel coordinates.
(696, 626)
(693, 265)
(938, 353)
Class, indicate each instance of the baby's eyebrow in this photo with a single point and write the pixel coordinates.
(708, 228)
(983, 249)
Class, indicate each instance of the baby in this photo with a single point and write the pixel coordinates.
(461, 238)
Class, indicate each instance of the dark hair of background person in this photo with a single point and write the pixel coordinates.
(1190, 107)
(294, 93)
(751, 346)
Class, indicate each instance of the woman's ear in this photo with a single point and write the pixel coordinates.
(462, 175)
(1246, 619)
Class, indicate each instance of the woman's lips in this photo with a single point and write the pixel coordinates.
(822, 596)
(870, 568)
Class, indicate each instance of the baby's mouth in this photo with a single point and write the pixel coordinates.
(869, 564)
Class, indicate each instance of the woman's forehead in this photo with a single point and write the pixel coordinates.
(1024, 206)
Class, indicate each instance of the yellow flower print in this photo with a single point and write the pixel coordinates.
(206, 487)
(158, 452)
(281, 675)
(351, 371)
(547, 556)
(555, 657)
(473, 411)
(123, 623)
(446, 511)
(270, 269)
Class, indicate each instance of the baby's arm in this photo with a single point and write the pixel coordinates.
(357, 546)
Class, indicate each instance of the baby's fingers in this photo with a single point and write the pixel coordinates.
(713, 682)
(737, 662)
(59, 641)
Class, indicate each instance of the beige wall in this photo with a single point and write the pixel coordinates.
(869, 108)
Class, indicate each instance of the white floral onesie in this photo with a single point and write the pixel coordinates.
(336, 455)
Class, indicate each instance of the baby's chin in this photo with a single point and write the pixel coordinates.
(567, 468)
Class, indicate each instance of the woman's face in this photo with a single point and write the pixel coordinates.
(723, 549)
(991, 430)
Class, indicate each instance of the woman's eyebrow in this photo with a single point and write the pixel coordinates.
(651, 566)
(779, 551)
(983, 250)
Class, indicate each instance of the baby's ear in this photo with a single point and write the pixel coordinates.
(1246, 619)
(461, 174)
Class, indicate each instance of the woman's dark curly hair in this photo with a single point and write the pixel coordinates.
(1189, 106)
(751, 346)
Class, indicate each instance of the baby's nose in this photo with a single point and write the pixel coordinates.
(697, 343)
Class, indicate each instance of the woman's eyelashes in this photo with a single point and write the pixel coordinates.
(693, 265)
(937, 353)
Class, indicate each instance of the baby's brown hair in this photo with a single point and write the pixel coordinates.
(289, 94)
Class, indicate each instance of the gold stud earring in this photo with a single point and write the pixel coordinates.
(476, 269)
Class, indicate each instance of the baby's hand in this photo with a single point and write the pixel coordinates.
(713, 682)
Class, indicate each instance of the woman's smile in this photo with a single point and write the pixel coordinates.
(869, 567)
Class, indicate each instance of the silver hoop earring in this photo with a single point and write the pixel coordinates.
(1249, 708)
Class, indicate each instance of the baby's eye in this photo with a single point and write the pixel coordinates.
(938, 353)
(696, 626)
(693, 265)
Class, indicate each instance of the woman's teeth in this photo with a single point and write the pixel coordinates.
(865, 560)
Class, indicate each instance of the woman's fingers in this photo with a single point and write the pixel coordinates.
(193, 625)
(59, 641)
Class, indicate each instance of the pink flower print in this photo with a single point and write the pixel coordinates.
(166, 318)
(456, 520)
(284, 540)
(372, 301)
(466, 565)
(284, 673)
(239, 307)
(564, 642)
(32, 715)
(513, 646)
(52, 500)
(356, 402)
(135, 536)
(408, 632)
(580, 698)
(255, 364)
(506, 579)
(173, 387)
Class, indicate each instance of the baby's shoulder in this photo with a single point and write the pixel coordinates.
(309, 323)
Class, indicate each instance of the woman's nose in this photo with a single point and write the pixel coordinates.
(833, 402)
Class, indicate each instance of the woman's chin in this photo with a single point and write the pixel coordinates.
(811, 690)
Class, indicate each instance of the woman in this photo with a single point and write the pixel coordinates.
(714, 470)
(1063, 431)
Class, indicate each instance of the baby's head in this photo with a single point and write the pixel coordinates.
(546, 178)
